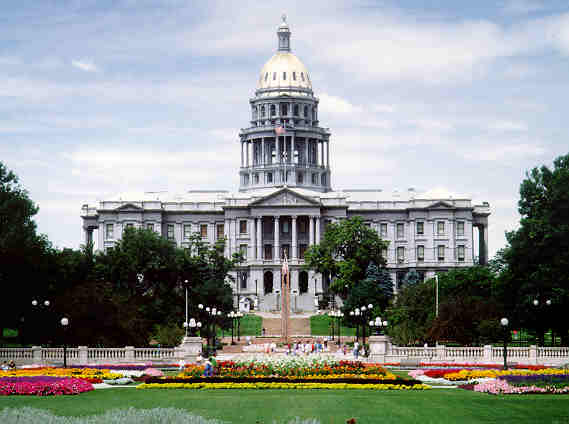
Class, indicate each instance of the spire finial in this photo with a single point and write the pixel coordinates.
(283, 33)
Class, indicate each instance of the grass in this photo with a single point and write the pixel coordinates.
(250, 326)
(331, 407)
(320, 326)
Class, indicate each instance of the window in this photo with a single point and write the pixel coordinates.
(269, 177)
(305, 111)
(242, 227)
(294, 76)
(440, 228)
(384, 253)
(301, 251)
(130, 225)
(401, 254)
(203, 230)
(150, 227)
(266, 76)
(400, 230)
(284, 75)
(441, 253)
(256, 178)
(285, 251)
(420, 228)
(274, 76)
(300, 178)
(187, 231)
(243, 277)
(302, 226)
(220, 231)
(314, 178)
(273, 110)
(460, 253)
(460, 228)
(110, 232)
(268, 251)
(420, 253)
(243, 250)
(170, 231)
(302, 76)
(284, 109)
(383, 230)
(323, 179)
(263, 111)
(286, 226)
(295, 110)
(367, 224)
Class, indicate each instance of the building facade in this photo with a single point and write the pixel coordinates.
(285, 200)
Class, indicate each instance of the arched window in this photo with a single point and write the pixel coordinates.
(303, 282)
(273, 110)
(263, 111)
(268, 282)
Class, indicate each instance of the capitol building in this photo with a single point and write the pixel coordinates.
(285, 201)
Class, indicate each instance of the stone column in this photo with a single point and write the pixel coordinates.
(259, 237)
(276, 239)
(294, 254)
(227, 238)
(263, 151)
(306, 143)
(311, 230)
(485, 244)
(328, 154)
(317, 235)
(251, 248)
(247, 145)
(322, 153)
(241, 153)
(277, 145)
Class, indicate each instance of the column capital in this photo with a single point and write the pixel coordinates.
(294, 216)
(276, 217)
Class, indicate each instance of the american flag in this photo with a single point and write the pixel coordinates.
(280, 130)
(285, 266)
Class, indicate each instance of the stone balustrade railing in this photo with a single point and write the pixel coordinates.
(86, 355)
(381, 350)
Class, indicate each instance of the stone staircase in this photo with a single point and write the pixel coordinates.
(299, 326)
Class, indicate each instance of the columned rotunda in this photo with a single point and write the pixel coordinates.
(285, 200)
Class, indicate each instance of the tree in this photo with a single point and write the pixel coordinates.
(412, 278)
(345, 252)
(537, 255)
(412, 314)
(24, 255)
(376, 288)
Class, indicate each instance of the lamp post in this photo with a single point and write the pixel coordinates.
(64, 323)
(231, 315)
(186, 322)
(37, 307)
(436, 295)
(339, 315)
(365, 312)
(332, 315)
(378, 325)
(541, 309)
(504, 323)
(238, 316)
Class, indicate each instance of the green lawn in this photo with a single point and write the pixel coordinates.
(320, 326)
(331, 407)
(250, 326)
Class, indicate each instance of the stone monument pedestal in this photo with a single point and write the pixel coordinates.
(379, 348)
(190, 348)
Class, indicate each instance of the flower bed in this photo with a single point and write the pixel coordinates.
(89, 374)
(283, 385)
(499, 386)
(301, 373)
(474, 365)
(43, 386)
(463, 375)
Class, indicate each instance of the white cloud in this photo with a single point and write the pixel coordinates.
(508, 126)
(502, 152)
(85, 65)
(334, 105)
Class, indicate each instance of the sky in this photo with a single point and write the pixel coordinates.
(100, 97)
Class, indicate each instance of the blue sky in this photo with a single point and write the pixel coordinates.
(103, 97)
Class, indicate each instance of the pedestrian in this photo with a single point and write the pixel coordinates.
(356, 349)
(208, 370)
(182, 365)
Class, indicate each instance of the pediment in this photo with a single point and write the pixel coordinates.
(440, 205)
(129, 207)
(285, 197)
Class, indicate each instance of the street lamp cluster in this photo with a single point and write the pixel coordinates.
(378, 325)
(360, 316)
(338, 315)
(211, 315)
(235, 324)
(192, 325)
